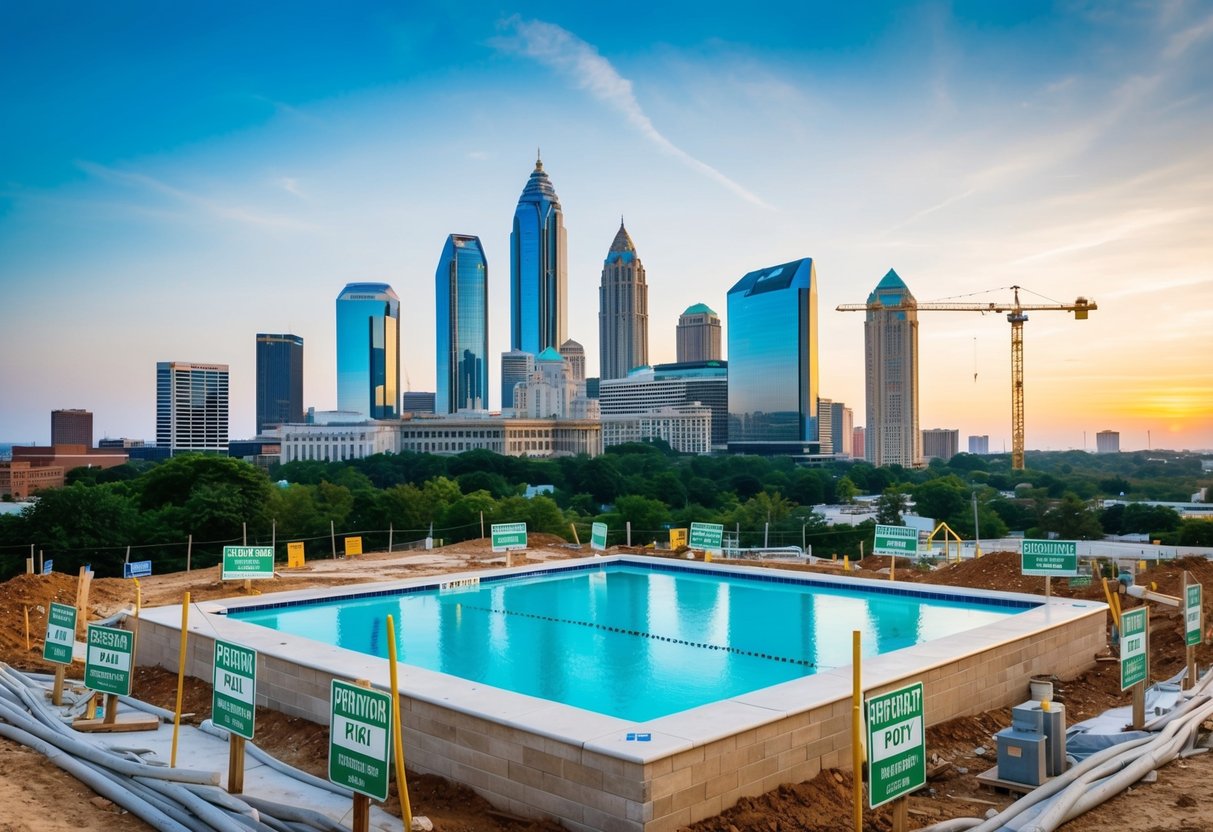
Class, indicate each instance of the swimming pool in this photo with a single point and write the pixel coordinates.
(631, 641)
(537, 757)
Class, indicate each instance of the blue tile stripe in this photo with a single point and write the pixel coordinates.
(655, 566)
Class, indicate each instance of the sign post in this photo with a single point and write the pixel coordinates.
(897, 749)
(59, 643)
(233, 704)
(1049, 558)
(360, 745)
(1192, 624)
(108, 669)
(247, 563)
(598, 536)
(707, 536)
(1135, 659)
(507, 537)
(294, 555)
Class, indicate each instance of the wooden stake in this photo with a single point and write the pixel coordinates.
(111, 709)
(901, 815)
(235, 763)
(27, 647)
(185, 621)
(362, 803)
(1048, 586)
(83, 585)
(57, 690)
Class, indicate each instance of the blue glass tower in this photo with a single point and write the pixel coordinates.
(773, 373)
(538, 268)
(462, 326)
(368, 350)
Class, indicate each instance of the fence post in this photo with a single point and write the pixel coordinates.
(189, 551)
(391, 532)
(244, 534)
(629, 532)
(333, 538)
(274, 536)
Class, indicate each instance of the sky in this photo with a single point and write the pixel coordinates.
(177, 177)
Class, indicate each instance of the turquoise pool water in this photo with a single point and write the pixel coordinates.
(631, 641)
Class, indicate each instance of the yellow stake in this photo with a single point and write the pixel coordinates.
(402, 785)
(846, 563)
(857, 752)
(185, 616)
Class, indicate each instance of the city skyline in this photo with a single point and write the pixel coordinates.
(1065, 150)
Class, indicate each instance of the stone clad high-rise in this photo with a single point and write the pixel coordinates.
(538, 268)
(698, 334)
(623, 310)
(368, 350)
(773, 358)
(891, 368)
(462, 326)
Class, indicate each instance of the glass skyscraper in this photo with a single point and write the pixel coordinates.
(279, 380)
(368, 350)
(538, 268)
(462, 326)
(773, 373)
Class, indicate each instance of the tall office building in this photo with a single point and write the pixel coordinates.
(462, 326)
(773, 372)
(649, 390)
(858, 435)
(279, 380)
(623, 310)
(843, 420)
(368, 350)
(1107, 442)
(572, 352)
(72, 427)
(191, 407)
(940, 443)
(516, 366)
(891, 364)
(979, 444)
(698, 334)
(538, 269)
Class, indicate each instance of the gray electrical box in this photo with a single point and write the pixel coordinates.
(1055, 739)
(1021, 756)
(1028, 717)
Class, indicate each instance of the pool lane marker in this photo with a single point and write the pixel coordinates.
(639, 634)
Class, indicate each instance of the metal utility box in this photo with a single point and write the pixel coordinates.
(1055, 739)
(1028, 718)
(1021, 756)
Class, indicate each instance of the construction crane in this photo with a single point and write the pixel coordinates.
(1016, 314)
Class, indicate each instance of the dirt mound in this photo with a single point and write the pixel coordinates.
(37, 592)
(482, 545)
(995, 570)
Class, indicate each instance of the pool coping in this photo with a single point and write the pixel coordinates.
(608, 735)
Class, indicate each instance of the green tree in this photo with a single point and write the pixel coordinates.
(1072, 519)
(647, 516)
(942, 499)
(890, 506)
(846, 490)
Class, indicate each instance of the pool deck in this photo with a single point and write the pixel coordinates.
(534, 757)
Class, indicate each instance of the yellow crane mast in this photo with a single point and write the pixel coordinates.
(1016, 314)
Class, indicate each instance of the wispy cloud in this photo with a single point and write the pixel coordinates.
(572, 57)
(217, 208)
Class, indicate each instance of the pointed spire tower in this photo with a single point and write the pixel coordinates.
(538, 268)
(623, 309)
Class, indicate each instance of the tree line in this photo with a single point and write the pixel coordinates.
(210, 501)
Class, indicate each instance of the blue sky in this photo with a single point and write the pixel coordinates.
(175, 178)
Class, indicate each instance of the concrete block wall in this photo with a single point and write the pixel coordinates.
(533, 775)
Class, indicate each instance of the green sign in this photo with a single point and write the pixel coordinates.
(598, 536)
(895, 540)
(234, 688)
(1133, 657)
(1192, 622)
(243, 562)
(360, 739)
(60, 634)
(108, 664)
(1048, 557)
(508, 536)
(1080, 581)
(706, 536)
(897, 745)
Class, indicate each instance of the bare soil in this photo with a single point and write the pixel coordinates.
(37, 797)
